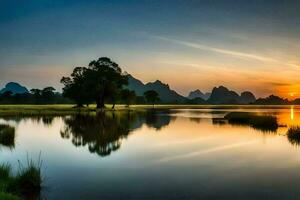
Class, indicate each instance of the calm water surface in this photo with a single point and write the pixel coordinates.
(171, 154)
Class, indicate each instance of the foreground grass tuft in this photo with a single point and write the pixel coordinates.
(265, 123)
(7, 135)
(27, 182)
(293, 135)
(5, 170)
(29, 178)
(7, 196)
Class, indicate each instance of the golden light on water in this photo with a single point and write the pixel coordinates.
(292, 112)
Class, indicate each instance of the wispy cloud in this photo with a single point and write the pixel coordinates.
(219, 50)
(211, 150)
(179, 63)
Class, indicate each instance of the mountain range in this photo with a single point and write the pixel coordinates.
(222, 95)
(219, 95)
(166, 94)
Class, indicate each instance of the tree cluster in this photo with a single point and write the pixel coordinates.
(36, 96)
(102, 81)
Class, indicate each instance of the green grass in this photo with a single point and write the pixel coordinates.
(265, 123)
(55, 110)
(26, 183)
(4, 171)
(7, 135)
(38, 110)
(293, 135)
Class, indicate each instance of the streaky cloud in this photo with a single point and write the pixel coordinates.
(218, 50)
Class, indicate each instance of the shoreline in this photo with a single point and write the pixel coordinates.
(68, 109)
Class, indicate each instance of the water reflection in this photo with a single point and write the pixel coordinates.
(162, 145)
(292, 112)
(103, 133)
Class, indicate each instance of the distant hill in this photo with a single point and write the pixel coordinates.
(272, 100)
(166, 94)
(136, 85)
(247, 97)
(222, 95)
(15, 88)
(198, 94)
(219, 95)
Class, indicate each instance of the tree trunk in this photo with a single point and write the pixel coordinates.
(113, 106)
(100, 101)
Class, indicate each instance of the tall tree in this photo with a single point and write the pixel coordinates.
(104, 78)
(151, 96)
(75, 86)
(101, 80)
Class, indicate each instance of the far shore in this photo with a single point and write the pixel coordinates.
(68, 109)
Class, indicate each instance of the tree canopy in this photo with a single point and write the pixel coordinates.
(101, 80)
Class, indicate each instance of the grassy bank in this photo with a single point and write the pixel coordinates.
(34, 110)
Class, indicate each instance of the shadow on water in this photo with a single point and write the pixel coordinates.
(219, 121)
(103, 133)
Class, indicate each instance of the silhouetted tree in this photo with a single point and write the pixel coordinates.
(48, 94)
(104, 79)
(113, 94)
(36, 92)
(151, 96)
(101, 80)
(75, 86)
(128, 96)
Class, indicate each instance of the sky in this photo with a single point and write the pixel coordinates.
(249, 45)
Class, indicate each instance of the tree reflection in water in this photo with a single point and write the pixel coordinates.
(103, 133)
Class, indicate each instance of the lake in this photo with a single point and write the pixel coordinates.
(162, 154)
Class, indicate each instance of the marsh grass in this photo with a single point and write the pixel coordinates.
(5, 182)
(7, 135)
(5, 170)
(26, 183)
(29, 177)
(293, 135)
(40, 110)
(265, 123)
(7, 196)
